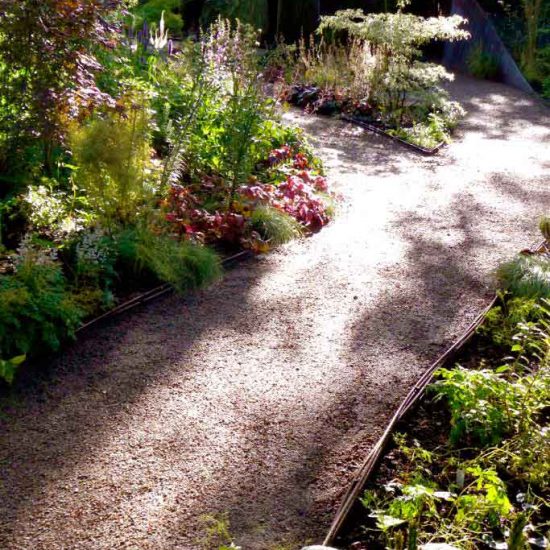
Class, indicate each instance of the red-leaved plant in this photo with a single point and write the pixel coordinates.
(298, 195)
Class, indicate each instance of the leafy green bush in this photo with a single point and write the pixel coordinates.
(527, 276)
(483, 64)
(36, 310)
(113, 155)
(274, 226)
(152, 11)
(486, 405)
(501, 322)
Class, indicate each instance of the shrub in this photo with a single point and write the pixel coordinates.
(483, 64)
(491, 405)
(113, 155)
(36, 310)
(480, 404)
(48, 68)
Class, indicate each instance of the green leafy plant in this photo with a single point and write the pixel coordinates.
(501, 322)
(8, 367)
(486, 405)
(36, 309)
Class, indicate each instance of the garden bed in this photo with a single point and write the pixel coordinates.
(383, 132)
(422, 425)
(370, 69)
(180, 160)
(310, 98)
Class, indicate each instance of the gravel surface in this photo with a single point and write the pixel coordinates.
(260, 397)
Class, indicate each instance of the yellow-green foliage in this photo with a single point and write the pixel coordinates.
(113, 156)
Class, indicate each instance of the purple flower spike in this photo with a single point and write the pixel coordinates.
(170, 47)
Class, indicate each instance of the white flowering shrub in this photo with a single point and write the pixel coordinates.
(47, 208)
(51, 212)
(399, 83)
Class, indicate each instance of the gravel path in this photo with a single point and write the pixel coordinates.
(261, 396)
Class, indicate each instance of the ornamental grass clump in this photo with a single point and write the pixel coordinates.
(182, 264)
(274, 226)
(526, 276)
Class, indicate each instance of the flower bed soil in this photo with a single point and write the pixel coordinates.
(424, 420)
(311, 99)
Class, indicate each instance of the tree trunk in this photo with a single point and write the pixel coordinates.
(297, 18)
(532, 16)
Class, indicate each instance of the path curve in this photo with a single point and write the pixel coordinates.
(261, 396)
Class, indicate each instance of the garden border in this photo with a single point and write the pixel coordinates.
(414, 395)
(150, 295)
(379, 131)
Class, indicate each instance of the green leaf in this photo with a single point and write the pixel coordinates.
(384, 522)
(9, 367)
